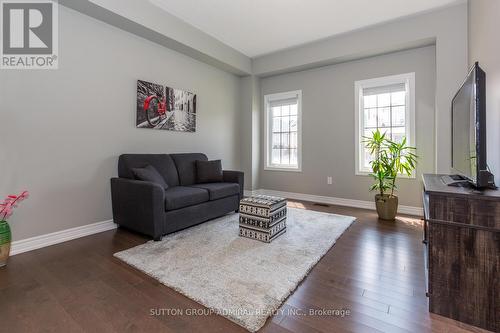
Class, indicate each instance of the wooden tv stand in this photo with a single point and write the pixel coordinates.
(462, 249)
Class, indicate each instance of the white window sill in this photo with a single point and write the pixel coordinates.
(277, 168)
(401, 175)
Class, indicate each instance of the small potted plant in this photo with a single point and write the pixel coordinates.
(6, 210)
(390, 159)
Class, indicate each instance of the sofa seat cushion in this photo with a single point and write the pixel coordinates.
(182, 196)
(219, 190)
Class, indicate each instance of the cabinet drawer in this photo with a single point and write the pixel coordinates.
(458, 209)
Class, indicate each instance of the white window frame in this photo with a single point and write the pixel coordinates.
(408, 79)
(267, 126)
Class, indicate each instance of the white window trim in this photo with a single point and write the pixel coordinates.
(409, 80)
(267, 121)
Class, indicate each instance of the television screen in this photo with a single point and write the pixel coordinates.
(464, 130)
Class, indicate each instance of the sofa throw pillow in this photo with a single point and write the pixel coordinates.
(150, 174)
(209, 171)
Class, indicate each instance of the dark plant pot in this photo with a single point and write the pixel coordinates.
(387, 206)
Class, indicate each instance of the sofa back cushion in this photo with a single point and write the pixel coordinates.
(186, 166)
(209, 171)
(163, 163)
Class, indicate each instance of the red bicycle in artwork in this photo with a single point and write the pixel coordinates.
(155, 109)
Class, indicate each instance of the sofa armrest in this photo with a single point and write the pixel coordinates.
(138, 205)
(234, 177)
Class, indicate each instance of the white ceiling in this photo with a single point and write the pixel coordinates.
(256, 27)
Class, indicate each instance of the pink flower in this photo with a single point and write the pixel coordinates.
(7, 212)
(11, 202)
(24, 195)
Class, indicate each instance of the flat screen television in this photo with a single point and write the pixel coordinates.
(468, 110)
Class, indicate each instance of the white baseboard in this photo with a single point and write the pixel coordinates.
(410, 210)
(33, 243)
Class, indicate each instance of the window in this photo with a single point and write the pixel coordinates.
(386, 104)
(283, 131)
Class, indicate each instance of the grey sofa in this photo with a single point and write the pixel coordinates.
(147, 208)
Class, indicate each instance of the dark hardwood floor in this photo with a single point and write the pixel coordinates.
(375, 270)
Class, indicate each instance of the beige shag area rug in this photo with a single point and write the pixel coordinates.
(242, 279)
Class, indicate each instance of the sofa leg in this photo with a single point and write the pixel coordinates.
(157, 238)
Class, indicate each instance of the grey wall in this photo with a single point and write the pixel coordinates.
(256, 132)
(78, 119)
(246, 128)
(62, 131)
(447, 28)
(250, 129)
(484, 26)
(147, 19)
(328, 124)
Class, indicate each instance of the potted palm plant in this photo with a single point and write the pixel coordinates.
(390, 159)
